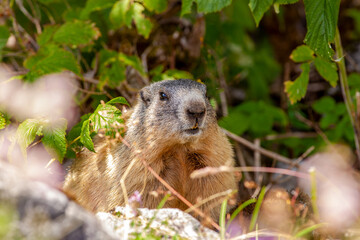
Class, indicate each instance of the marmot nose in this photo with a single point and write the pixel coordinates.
(196, 110)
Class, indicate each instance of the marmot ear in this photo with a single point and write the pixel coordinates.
(145, 95)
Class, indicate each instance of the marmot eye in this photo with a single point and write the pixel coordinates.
(163, 96)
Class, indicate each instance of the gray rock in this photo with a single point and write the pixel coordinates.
(35, 210)
(164, 223)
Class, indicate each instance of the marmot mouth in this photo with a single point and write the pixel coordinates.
(192, 131)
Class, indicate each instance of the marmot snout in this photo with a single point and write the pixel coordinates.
(174, 129)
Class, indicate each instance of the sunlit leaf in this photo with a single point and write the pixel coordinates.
(296, 90)
(133, 61)
(85, 137)
(47, 34)
(121, 14)
(50, 59)
(76, 33)
(186, 6)
(205, 6)
(143, 24)
(157, 6)
(54, 139)
(321, 20)
(26, 133)
(327, 69)
(119, 100)
(95, 5)
(302, 54)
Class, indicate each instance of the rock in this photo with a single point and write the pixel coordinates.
(34, 210)
(164, 223)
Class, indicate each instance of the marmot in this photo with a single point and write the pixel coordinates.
(174, 129)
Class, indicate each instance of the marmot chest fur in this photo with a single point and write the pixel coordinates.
(174, 129)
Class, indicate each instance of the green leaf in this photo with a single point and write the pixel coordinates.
(54, 139)
(76, 33)
(133, 61)
(95, 5)
(4, 35)
(121, 14)
(302, 54)
(321, 19)
(112, 70)
(186, 6)
(47, 34)
(50, 59)
(355, 15)
(170, 74)
(206, 6)
(324, 105)
(85, 137)
(71, 14)
(354, 83)
(113, 74)
(296, 90)
(119, 100)
(327, 69)
(258, 8)
(157, 6)
(104, 117)
(26, 133)
(143, 24)
(47, 1)
(281, 2)
(327, 120)
(235, 122)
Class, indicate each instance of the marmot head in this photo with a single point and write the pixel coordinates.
(176, 110)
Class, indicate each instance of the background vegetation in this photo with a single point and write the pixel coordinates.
(280, 73)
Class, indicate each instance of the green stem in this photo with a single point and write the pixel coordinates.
(345, 90)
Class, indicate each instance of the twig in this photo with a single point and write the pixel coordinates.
(263, 151)
(28, 15)
(314, 126)
(215, 170)
(291, 135)
(257, 158)
(278, 179)
(222, 82)
(95, 93)
(345, 90)
(242, 162)
(212, 197)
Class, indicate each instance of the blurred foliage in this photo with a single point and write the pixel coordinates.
(115, 47)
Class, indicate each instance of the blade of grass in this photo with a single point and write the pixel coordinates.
(222, 219)
(161, 204)
(163, 201)
(257, 209)
(307, 230)
(239, 209)
(312, 173)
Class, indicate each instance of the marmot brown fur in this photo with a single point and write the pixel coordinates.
(174, 129)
